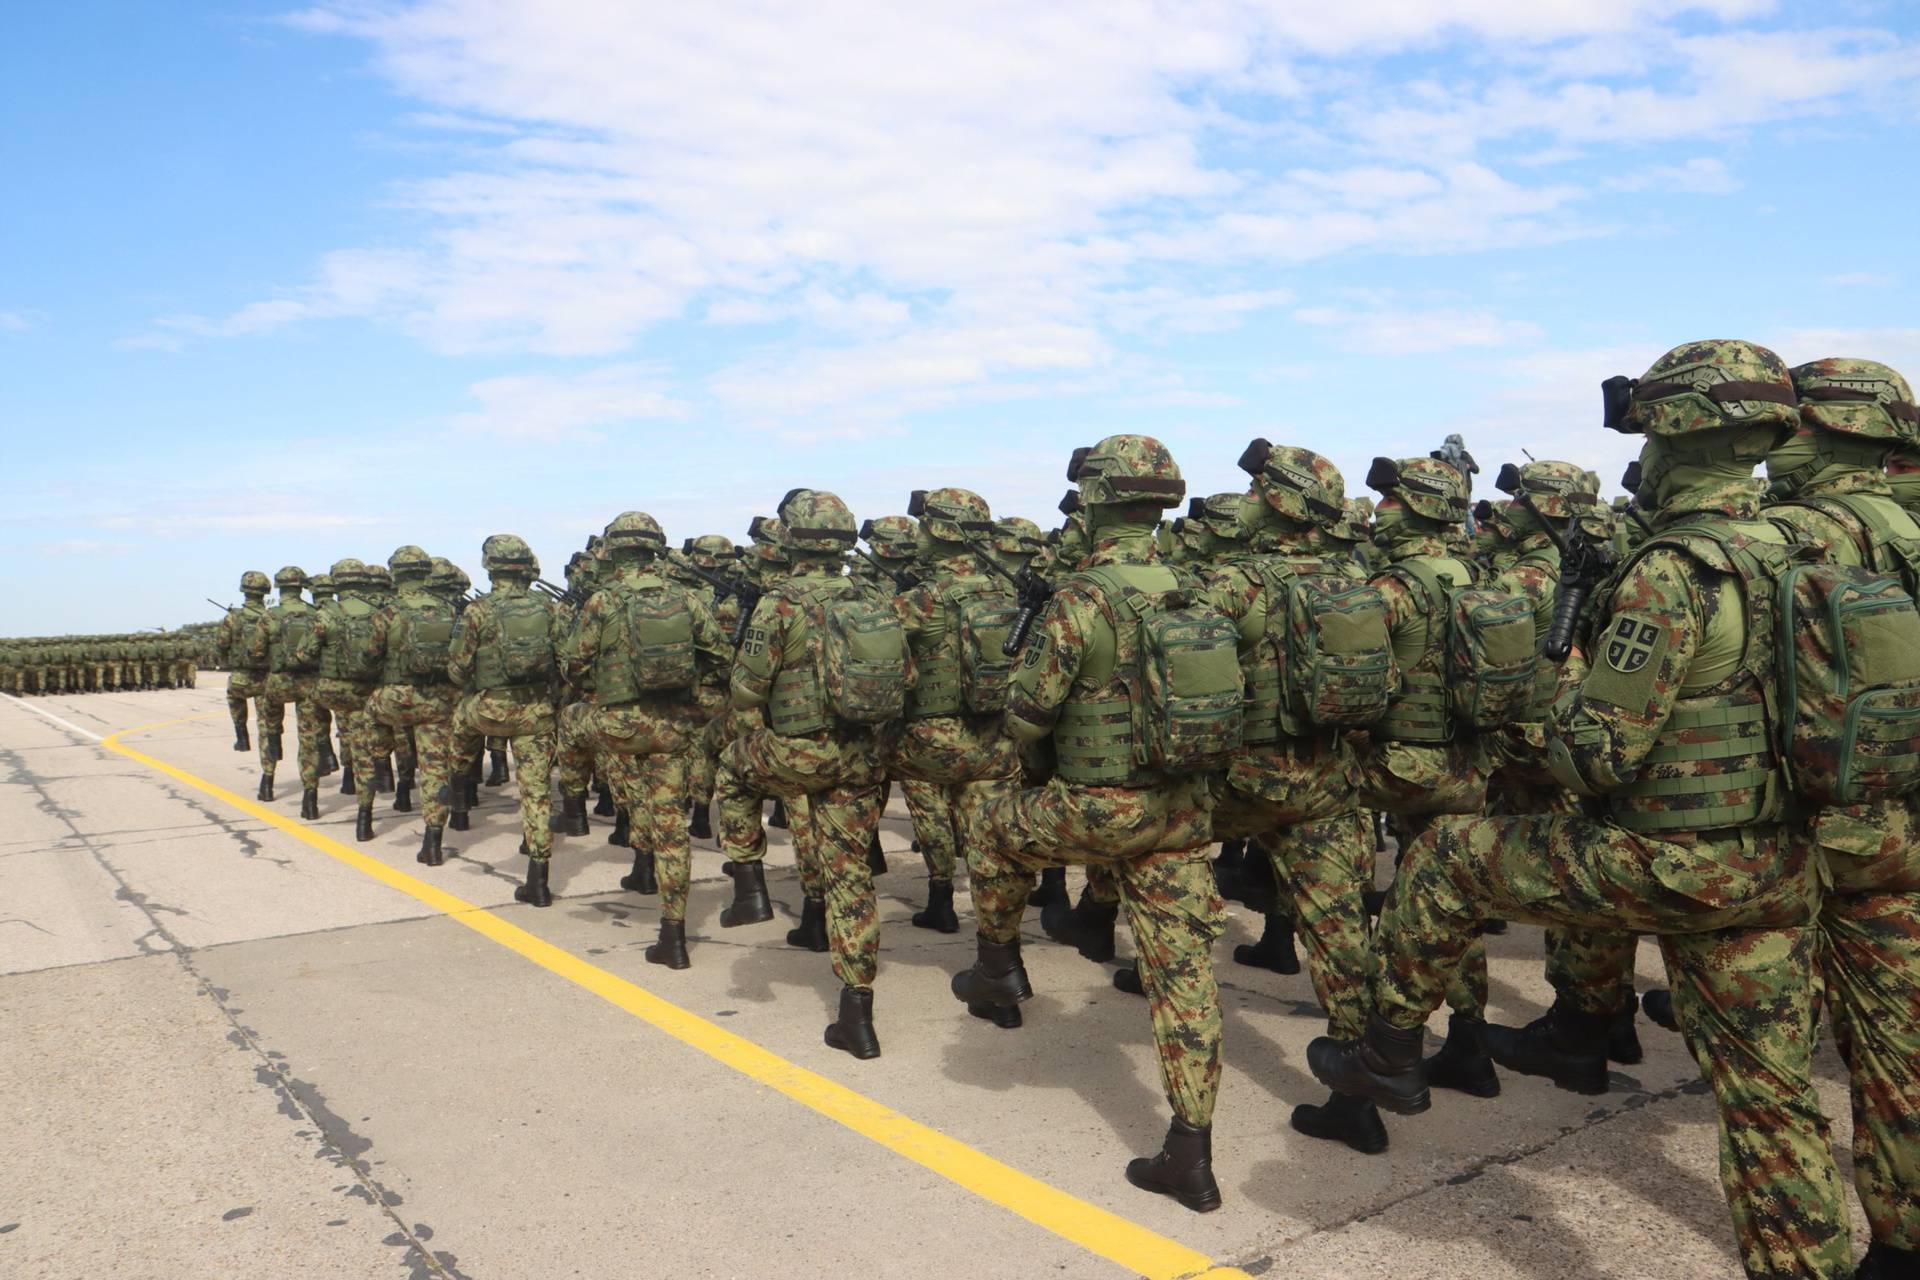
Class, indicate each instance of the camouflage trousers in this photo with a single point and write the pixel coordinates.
(347, 700)
(1592, 969)
(739, 810)
(575, 750)
(1155, 842)
(241, 685)
(1735, 917)
(839, 774)
(1870, 965)
(703, 752)
(427, 711)
(642, 753)
(934, 826)
(1323, 868)
(524, 717)
(280, 689)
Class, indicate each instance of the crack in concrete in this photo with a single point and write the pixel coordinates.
(298, 1099)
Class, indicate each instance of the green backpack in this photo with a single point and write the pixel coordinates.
(1489, 655)
(985, 616)
(255, 641)
(862, 654)
(295, 647)
(659, 628)
(352, 653)
(421, 635)
(1338, 655)
(1186, 697)
(522, 653)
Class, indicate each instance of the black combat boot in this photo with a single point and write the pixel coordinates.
(430, 852)
(852, 1031)
(328, 761)
(382, 775)
(1623, 1037)
(603, 802)
(347, 787)
(939, 913)
(1657, 1004)
(266, 787)
(535, 892)
(497, 775)
(641, 879)
(1055, 906)
(622, 833)
(994, 988)
(1274, 950)
(1371, 900)
(1343, 1118)
(671, 950)
(779, 819)
(271, 741)
(811, 934)
(1462, 1063)
(1227, 867)
(403, 793)
(573, 815)
(1183, 1169)
(699, 822)
(750, 902)
(876, 856)
(1256, 887)
(310, 804)
(457, 805)
(1088, 928)
(1492, 928)
(473, 792)
(1128, 980)
(1563, 1045)
(363, 826)
(241, 742)
(1883, 1261)
(1383, 1064)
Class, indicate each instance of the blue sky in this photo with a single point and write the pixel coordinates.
(282, 285)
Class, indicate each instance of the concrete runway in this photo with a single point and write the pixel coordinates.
(236, 1044)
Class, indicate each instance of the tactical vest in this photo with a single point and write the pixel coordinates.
(1713, 764)
(940, 665)
(798, 703)
(1419, 714)
(289, 629)
(418, 636)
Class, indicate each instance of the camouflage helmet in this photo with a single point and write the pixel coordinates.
(1297, 483)
(1355, 523)
(378, 578)
(348, 572)
(321, 584)
(290, 578)
(1125, 469)
(1219, 514)
(1427, 487)
(410, 561)
(710, 550)
(1856, 398)
(254, 582)
(448, 576)
(765, 544)
(635, 533)
(1704, 386)
(1560, 489)
(508, 553)
(891, 537)
(953, 515)
(815, 522)
(1018, 536)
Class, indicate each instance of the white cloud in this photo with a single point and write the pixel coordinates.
(537, 407)
(14, 322)
(1390, 331)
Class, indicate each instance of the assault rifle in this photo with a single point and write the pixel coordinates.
(224, 608)
(1630, 481)
(1030, 588)
(562, 595)
(1584, 565)
(739, 588)
(903, 579)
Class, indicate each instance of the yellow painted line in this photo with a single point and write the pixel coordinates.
(1144, 1252)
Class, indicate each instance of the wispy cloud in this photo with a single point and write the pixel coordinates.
(14, 322)
(543, 407)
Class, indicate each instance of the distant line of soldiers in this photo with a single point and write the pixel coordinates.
(97, 664)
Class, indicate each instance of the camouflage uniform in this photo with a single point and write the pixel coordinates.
(1835, 497)
(642, 731)
(349, 646)
(802, 750)
(320, 587)
(737, 807)
(509, 694)
(246, 672)
(1150, 829)
(712, 552)
(414, 693)
(290, 679)
(1669, 726)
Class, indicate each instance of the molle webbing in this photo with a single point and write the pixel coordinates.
(1419, 714)
(1093, 742)
(1709, 769)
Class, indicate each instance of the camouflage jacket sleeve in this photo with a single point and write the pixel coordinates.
(1615, 703)
(223, 642)
(758, 661)
(314, 642)
(712, 647)
(466, 643)
(575, 651)
(1055, 651)
(1240, 593)
(381, 629)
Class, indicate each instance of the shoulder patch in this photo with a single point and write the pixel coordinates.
(1036, 647)
(755, 641)
(1631, 642)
